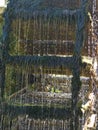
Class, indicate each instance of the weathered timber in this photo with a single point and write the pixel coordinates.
(36, 111)
(49, 61)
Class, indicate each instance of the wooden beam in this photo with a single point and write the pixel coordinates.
(48, 61)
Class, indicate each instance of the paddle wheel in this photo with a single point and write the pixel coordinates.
(43, 52)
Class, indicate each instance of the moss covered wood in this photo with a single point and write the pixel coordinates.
(76, 83)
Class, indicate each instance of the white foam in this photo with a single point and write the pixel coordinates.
(2, 3)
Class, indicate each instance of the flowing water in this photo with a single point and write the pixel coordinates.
(38, 97)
